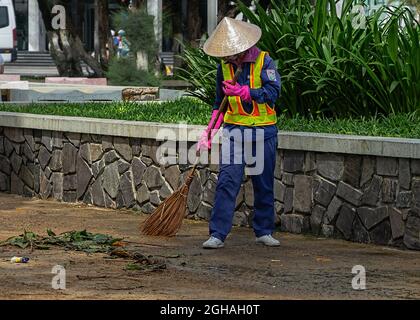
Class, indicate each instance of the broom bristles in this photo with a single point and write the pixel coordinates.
(166, 219)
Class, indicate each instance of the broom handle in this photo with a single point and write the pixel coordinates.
(222, 109)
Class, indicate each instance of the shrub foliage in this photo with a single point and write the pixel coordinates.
(124, 72)
(332, 64)
(139, 29)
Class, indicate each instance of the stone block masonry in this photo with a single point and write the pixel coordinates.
(106, 171)
(377, 203)
(367, 198)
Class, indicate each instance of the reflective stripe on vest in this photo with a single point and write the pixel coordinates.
(262, 114)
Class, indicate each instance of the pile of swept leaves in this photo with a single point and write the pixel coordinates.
(87, 242)
(71, 240)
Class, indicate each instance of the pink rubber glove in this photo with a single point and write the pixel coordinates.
(204, 143)
(237, 90)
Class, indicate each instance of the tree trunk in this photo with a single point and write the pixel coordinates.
(104, 32)
(96, 43)
(66, 48)
(142, 60)
(194, 22)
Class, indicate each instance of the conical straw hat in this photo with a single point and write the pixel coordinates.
(231, 37)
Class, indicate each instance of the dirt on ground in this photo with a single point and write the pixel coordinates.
(303, 267)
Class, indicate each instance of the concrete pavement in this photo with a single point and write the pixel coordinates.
(303, 267)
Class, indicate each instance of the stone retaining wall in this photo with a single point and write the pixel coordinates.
(358, 198)
(362, 198)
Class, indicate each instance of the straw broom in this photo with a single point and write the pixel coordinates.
(167, 218)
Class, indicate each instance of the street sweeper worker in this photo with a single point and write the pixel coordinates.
(249, 124)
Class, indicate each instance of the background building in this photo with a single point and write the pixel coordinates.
(30, 27)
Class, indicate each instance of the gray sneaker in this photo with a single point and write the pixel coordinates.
(213, 243)
(267, 240)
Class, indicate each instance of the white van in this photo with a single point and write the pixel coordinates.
(8, 34)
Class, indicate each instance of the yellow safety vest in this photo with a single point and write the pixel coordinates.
(262, 114)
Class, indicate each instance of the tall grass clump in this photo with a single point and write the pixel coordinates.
(200, 72)
(342, 64)
(337, 64)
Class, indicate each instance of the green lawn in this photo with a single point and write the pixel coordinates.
(193, 111)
